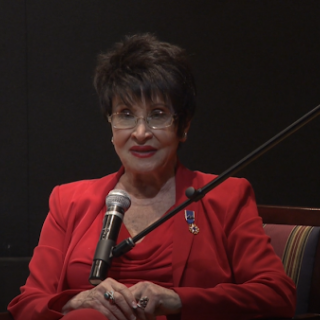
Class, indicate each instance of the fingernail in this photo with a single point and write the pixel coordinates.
(134, 305)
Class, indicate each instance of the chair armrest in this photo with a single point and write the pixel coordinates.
(307, 316)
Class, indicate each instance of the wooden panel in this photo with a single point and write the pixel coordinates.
(289, 215)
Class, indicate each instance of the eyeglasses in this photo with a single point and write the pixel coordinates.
(157, 119)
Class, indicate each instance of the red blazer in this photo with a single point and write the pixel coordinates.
(227, 271)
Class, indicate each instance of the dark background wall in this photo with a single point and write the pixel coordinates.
(257, 66)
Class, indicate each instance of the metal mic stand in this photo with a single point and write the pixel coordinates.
(195, 195)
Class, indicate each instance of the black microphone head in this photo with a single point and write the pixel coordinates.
(119, 198)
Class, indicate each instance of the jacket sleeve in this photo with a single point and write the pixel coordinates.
(39, 298)
(260, 287)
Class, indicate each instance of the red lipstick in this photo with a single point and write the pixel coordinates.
(143, 151)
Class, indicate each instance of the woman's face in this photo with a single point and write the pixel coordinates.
(143, 150)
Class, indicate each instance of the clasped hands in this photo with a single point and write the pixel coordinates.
(143, 301)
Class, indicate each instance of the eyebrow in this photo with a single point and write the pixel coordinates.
(152, 104)
(122, 103)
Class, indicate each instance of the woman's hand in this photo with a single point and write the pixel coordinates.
(121, 308)
(161, 301)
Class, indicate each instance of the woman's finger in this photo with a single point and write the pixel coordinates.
(161, 301)
(117, 294)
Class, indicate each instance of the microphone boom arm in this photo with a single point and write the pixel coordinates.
(196, 195)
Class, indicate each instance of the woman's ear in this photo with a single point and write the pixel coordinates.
(185, 132)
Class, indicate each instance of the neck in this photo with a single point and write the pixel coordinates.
(143, 186)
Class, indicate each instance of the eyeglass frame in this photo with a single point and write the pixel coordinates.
(136, 118)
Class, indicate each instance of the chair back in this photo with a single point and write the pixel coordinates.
(295, 237)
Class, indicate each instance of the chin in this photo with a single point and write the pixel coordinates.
(144, 168)
(148, 166)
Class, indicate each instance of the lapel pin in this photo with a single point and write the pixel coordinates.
(190, 217)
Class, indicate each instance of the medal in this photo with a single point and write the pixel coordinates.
(190, 217)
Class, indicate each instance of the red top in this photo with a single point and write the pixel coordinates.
(149, 260)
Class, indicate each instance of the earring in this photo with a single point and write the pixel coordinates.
(185, 135)
(112, 140)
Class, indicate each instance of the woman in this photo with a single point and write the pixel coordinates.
(211, 262)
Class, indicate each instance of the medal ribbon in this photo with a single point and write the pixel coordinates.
(190, 216)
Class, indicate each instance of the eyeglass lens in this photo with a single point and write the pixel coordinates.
(154, 120)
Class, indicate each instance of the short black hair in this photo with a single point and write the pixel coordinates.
(143, 65)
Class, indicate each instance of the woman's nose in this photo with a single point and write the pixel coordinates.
(142, 130)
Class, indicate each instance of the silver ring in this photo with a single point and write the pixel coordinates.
(109, 295)
(143, 302)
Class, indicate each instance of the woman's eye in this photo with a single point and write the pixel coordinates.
(158, 114)
(125, 114)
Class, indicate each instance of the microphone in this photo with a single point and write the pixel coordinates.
(118, 202)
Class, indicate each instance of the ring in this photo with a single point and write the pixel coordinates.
(143, 302)
(109, 295)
